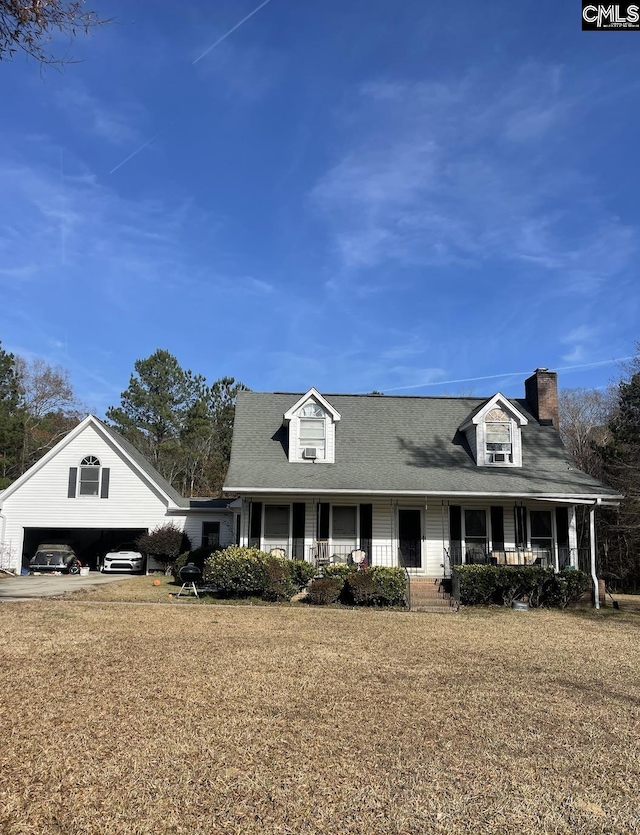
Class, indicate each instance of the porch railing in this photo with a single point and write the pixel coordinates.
(545, 557)
(322, 553)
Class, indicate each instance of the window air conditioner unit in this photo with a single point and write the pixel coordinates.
(499, 457)
(310, 452)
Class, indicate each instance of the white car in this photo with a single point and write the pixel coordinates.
(124, 558)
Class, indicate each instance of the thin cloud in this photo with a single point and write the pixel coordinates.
(509, 374)
(230, 32)
(199, 58)
(443, 175)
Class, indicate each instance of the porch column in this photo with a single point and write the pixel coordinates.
(592, 546)
(573, 538)
(245, 513)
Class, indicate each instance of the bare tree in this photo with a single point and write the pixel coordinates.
(30, 25)
(50, 406)
(584, 425)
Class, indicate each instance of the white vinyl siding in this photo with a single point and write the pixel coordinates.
(134, 502)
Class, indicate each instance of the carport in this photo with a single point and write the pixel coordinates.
(90, 544)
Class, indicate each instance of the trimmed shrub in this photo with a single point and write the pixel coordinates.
(361, 589)
(236, 571)
(198, 557)
(302, 572)
(278, 580)
(505, 583)
(340, 570)
(391, 582)
(165, 543)
(478, 583)
(325, 590)
(377, 586)
(249, 572)
(569, 587)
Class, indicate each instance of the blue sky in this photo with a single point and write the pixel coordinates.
(354, 196)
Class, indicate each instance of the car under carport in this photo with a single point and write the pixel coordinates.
(90, 544)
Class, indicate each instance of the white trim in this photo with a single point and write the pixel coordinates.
(497, 400)
(90, 420)
(584, 498)
(315, 394)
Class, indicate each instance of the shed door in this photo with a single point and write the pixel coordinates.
(410, 537)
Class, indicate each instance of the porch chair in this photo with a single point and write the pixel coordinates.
(358, 557)
(278, 552)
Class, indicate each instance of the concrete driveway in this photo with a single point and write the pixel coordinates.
(34, 586)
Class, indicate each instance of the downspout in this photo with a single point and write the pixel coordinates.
(592, 548)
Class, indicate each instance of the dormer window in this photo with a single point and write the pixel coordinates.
(312, 429)
(498, 438)
(493, 432)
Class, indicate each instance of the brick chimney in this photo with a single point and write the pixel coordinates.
(541, 392)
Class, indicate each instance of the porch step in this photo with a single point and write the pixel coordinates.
(429, 594)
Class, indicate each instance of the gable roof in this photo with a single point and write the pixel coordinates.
(397, 445)
(126, 449)
(312, 394)
(497, 400)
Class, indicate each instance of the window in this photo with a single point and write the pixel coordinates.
(312, 430)
(541, 530)
(89, 476)
(475, 535)
(210, 534)
(498, 440)
(345, 526)
(276, 525)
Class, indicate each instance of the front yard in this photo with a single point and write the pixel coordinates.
(289, 719)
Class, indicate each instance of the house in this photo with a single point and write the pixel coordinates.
(419, 482)
(96, 491)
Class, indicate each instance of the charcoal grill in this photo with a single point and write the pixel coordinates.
(189, 574)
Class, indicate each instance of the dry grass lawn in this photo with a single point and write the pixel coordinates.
(137, 719)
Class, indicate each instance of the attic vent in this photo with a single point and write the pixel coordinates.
(499, 457)
(310, 452)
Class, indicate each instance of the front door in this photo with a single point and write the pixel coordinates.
(410, 537)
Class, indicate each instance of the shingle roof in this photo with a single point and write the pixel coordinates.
(144, 465)
(396, 444)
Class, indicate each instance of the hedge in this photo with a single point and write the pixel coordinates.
(503, 584)
(377, 586)
(249, 572)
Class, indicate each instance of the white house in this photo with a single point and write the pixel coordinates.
(95, 490)
(419, 482)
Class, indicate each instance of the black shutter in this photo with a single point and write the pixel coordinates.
(255, 525)
(298, 530)
(497, 528)
(104, 489)
(323, 520)
(366, 529)
(562, 535)
(73, 478)
(520, 515)
(455, 534)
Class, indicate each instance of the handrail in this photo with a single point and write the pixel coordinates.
(407, 595)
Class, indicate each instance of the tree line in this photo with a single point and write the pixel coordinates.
(179, 422)
(601, 430)
(183, 425)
